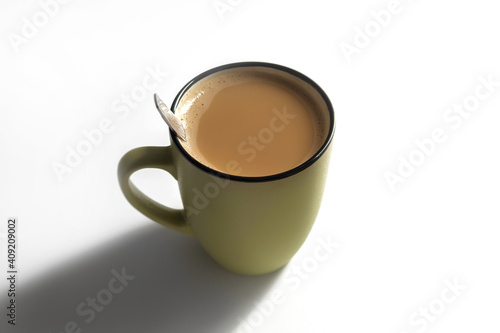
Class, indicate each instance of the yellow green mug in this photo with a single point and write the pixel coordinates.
(249, 225)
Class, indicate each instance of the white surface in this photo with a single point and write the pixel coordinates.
(397, 249)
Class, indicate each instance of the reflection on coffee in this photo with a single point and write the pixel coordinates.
(252, 122)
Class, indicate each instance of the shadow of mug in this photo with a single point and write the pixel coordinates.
(160, 281)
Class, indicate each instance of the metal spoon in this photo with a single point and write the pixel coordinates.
(172, 121)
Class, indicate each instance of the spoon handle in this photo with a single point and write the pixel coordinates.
(172, 121)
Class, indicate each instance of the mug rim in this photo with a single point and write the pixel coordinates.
(277, 176)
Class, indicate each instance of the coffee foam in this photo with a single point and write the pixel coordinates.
(196, 100)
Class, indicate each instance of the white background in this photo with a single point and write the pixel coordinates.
(397, 248)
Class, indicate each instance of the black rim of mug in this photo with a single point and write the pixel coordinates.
(285, 174)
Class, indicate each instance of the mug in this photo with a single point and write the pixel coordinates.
(249, 225)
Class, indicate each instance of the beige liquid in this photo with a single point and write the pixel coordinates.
(252, 122)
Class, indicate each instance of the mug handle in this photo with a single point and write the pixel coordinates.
(151, 157)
